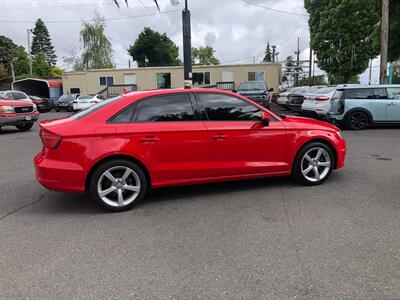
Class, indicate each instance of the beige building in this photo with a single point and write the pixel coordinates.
(93, 81)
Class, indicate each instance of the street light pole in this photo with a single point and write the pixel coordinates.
(187, 46)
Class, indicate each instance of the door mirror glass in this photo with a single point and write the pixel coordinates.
(271, 90)
(266, 118)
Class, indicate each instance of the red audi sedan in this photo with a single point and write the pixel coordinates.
(120, 148)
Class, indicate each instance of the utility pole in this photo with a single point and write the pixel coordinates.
(273, 53)
(12, 68)
(28, 32)
(384, 41)
(187, 46)
(298, 61)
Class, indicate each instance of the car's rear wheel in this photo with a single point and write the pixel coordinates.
(25, 126)
(357, 120)
(118, 185)
(314, 164)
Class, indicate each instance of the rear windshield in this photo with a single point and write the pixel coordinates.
(252, 86)
(85, 97)
(95, 107)
(65, 97)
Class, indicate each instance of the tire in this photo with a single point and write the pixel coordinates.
(101, 181)
(357, 120)
(25, 126)
(307, 164)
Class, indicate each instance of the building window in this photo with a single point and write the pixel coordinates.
(201, 78)
(106, 80)
(75, 90)
(163, 80)
(256, 76)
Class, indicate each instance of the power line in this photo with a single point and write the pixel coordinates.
(106, 19)
(275, 10)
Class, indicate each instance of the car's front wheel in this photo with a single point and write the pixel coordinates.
(314, 164)
(118, 185)
(25, 126)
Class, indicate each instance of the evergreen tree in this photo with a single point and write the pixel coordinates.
(41, 42)
(40, 66)
(268, 54)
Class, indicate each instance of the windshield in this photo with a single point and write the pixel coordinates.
(95, 107)
(252, 86)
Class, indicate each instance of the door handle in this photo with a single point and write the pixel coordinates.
(149, 140)
(219, 137)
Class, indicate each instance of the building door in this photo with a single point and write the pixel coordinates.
(130, 78)
(227, 76)
(163, 80)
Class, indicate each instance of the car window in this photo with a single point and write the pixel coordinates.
(166, 108)
(394, 93)
(220, 107)
(124, 116)
(252, 86)
(380, 93)
(358, 94)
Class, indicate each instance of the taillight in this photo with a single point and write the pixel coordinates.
(341, 106)
(322, 98)
(50, 140)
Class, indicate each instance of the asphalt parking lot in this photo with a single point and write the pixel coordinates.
(261, 239)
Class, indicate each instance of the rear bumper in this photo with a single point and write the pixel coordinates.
(15, 119)
(59, 175)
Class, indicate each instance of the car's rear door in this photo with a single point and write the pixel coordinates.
(240, 144)
(379, 104)
(168, 133)
(393, 104)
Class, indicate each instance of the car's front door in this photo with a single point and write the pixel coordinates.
(393, 105)
(379, 104)
(171, 138)
(240, 144)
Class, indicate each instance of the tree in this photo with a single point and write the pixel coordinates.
(342, 35)
(56, 72)
(204, 56)
(152, 48)
(290, 69)
(314, 80)
(268, 54)
(7, 47)
(97, 49)
(3, 71)
(394, 29)
(41, 42)
(21, 61)
(40, 66)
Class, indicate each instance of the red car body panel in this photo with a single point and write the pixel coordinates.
(178, 153)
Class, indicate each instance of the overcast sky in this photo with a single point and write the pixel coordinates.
(238, 30)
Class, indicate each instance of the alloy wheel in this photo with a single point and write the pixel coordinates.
(358, 120)
(118, 186)
(316, 164)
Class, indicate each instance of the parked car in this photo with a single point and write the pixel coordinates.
(361, 106)
(65, 102)
(15, 95)
(43, 104)
(21, 114)
(295, 100)
(86, 101)
(119, 148)
(284, 97)
(318, 104)
(256, 91)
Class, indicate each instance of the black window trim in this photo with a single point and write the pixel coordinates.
(204, 113)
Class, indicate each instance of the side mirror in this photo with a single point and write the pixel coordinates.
(271, 90)
(265, 119)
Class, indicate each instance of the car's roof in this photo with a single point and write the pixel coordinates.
(179, 90)
(362, 86)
